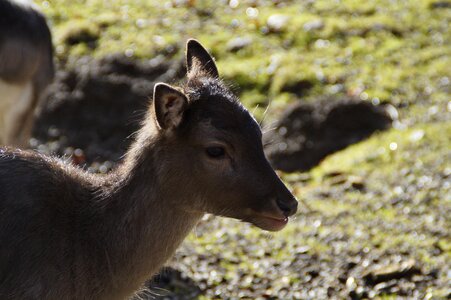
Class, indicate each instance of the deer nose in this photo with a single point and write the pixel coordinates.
(289, 207)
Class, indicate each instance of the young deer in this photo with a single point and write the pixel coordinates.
(65, 233)
(26, 68)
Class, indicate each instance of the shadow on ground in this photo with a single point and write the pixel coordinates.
(307, 133)
(169, 284)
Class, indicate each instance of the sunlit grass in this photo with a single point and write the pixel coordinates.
(383, 51)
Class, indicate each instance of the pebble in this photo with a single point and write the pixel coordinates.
(238, 43)
(277, 23)
(314, 25)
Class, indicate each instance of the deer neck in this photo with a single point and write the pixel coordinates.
(143, 224)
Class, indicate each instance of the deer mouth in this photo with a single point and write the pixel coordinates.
(268, 222)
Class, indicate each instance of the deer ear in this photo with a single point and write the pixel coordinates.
(169, 105)
(198, 59)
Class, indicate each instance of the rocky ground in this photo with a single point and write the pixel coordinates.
(357, 236)
(355, 101)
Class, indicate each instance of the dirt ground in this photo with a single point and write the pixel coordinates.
(95, 106)
(91, 113)
(307, 133)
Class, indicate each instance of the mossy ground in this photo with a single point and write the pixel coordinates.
(384, 199)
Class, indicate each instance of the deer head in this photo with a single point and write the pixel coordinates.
(212, 150)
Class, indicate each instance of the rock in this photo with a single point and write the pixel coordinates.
(277, 23)
(338, 180)
(351, 285)
(238, 43)
(394, 271)
(302, 249)
(385, 286)
(355, 291)
(314, 25)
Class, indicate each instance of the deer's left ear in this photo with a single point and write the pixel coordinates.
(169, 105)
(198, 59)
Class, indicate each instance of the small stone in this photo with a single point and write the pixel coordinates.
(277, 23)
(338, 180)
(302, 249)
(351, 285)
(238, 43)
(252, 12)
(417, 135)
(392, 112)
(314, 25)
(385, 286)
(393, 271)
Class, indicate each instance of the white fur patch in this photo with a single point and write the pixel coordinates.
(15, 100)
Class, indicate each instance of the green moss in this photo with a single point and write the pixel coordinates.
(395, 52)
(362, 157)
(382, 48)
(78, 31)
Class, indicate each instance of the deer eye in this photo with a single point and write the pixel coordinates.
(215, 152)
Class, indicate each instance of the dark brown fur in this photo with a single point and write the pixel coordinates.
(67, 234)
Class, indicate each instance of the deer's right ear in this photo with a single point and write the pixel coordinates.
(169, 105)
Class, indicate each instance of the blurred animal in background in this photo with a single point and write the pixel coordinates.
(26, 69)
